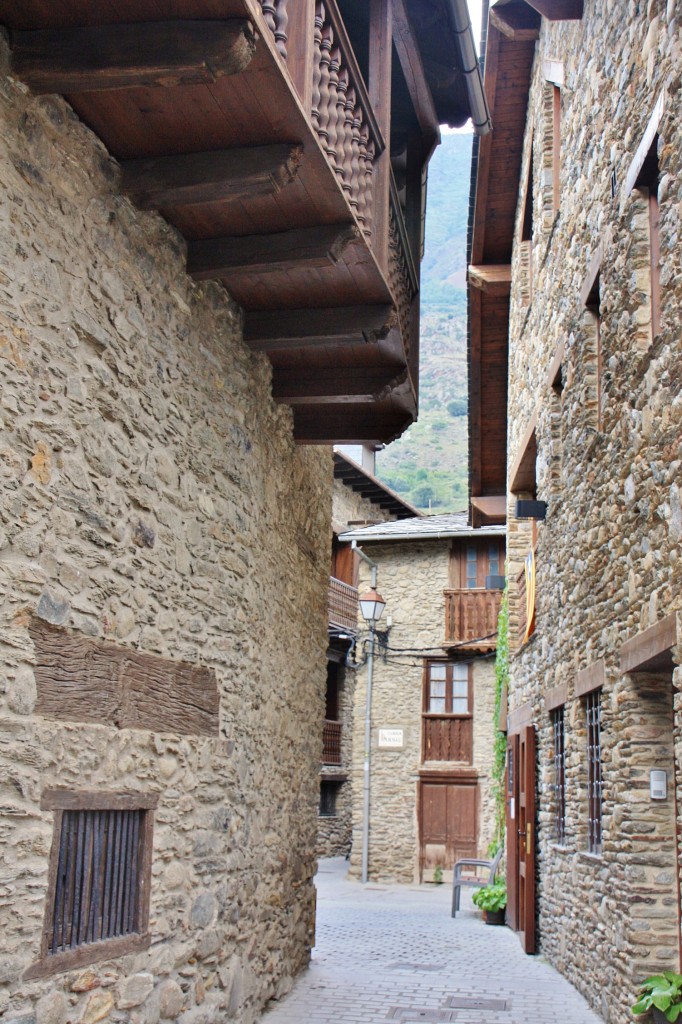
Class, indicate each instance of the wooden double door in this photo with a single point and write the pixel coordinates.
(448, 821)
(521, 839)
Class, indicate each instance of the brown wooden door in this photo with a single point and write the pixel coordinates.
(521, 784)
(448, 823)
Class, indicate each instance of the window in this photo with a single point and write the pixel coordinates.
(329, 792)
(594, 782)
(647, 184)
(100, 870)
(447, 688)
(559, 784)
(471, 567)
(593, 332)
(494, 560)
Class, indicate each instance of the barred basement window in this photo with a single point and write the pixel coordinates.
(100, 868)
(559, 776)
(594, 781)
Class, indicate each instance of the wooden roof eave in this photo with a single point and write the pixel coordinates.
(131, 136)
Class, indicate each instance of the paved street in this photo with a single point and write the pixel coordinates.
(394, 953)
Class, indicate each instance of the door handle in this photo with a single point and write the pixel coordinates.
(529, 839)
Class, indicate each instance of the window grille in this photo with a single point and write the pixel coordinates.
(96, 893)
(559, 776)
(594, 780)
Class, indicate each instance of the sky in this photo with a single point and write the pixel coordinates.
(475, 15)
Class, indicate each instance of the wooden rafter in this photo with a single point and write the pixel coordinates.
(516, 21)
(228, 174)
(275, 330)
(493, 278)
(558, 10)
(165, 53)
(345, 384)
(321, 246)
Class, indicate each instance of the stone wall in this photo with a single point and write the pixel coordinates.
(152, 497)
(349, 507)
(608, 465)
(411, 578)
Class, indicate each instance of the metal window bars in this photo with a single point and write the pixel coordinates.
(559, 785)
(594, 778)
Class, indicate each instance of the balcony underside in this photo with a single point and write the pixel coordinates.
(344, 365)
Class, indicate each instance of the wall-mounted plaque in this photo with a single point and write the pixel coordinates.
(391, 739)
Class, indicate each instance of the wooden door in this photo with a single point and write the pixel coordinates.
(448, 823)
(521, 788)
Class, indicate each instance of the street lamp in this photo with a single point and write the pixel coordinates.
(372, 606)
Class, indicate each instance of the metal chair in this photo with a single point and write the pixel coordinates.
(479, 881)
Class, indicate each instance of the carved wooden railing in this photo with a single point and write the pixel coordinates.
(331, 742)
(277, 19)
(342, 114)
(402, 275)
(471, 616)
(343, 605)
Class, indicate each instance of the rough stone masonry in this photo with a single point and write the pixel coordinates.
(608, 465)
(153, 506)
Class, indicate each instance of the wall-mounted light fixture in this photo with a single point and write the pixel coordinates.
(658, 784)
(530, 509)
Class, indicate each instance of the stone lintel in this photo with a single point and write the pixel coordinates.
(591, 678)
(650, 650)
(556, 697)
(519, 718)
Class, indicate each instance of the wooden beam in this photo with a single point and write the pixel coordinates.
(165, 53)
(275, 330)
(223, 175)
(518, 22)
(495, 279)
(590, 679)
(349, 424)
(407, 48)
(558, 10)
(262, 254)
(380, 57)
(345, 384)
(651, 650)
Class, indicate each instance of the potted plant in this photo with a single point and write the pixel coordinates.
(492, 900)
(661, 993)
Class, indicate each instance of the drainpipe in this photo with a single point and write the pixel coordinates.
(478, 105)
(368, 722)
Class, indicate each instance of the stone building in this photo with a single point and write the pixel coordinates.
(433, 696)
(575, 309)
(209, 257)
(358, 498)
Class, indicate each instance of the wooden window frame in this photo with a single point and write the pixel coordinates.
(61, 801)
(448, 690)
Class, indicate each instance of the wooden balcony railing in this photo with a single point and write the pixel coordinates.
(402, 274)
(341, 112)
(277, 19)
(343, 605)
(331, 742)
(471, 617)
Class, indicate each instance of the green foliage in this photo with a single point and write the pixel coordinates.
(438, 875)
(664, 991)
(500, 740)
(493, 897)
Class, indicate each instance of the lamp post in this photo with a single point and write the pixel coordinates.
(372, 606)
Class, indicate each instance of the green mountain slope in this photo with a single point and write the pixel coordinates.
(428, 464)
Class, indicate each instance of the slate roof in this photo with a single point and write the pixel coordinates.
(453, 524)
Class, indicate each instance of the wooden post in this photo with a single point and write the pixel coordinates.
(380, 50)
(300, 49)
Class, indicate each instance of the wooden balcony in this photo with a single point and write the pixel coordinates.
(250, 126)
(343, 606)
(471, 618)
(331, 742)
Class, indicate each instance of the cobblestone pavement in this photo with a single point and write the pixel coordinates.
(393, 953)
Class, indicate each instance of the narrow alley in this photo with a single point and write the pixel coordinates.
(390, 952)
